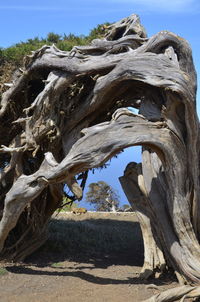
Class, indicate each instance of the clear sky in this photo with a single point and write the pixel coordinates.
(24, 19)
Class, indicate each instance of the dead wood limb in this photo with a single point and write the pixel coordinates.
(68, 113)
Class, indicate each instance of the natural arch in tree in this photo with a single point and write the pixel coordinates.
(67, 112)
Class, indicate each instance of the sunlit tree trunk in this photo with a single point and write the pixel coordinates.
(133, 185)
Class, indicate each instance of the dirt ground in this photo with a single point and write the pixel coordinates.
(50, 277)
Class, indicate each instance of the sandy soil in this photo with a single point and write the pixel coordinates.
(49, 277)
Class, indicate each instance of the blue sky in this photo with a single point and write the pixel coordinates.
(23, 19)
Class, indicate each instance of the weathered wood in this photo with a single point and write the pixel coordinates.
(132, 183)
(69, 112)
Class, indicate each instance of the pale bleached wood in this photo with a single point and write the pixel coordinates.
(132, 183)
(67, 112)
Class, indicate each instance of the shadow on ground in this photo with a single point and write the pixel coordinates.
(89, 277)
(76, 248)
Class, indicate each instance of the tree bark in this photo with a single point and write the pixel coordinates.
(69, 112)
(132, 183)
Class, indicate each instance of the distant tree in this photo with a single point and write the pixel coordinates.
(53, 38)
(102, 196)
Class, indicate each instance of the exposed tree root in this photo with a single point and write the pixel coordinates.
(180, 293)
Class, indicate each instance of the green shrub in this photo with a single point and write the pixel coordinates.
(66, 206)
(3, 271)
(14, 54)
(53, 38)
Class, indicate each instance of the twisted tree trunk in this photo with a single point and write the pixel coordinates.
(69, 112)
(133, 185)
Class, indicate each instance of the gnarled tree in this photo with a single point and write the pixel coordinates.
(68, 112)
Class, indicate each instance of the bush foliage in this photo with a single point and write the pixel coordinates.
(15, 53)
(11, 58)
